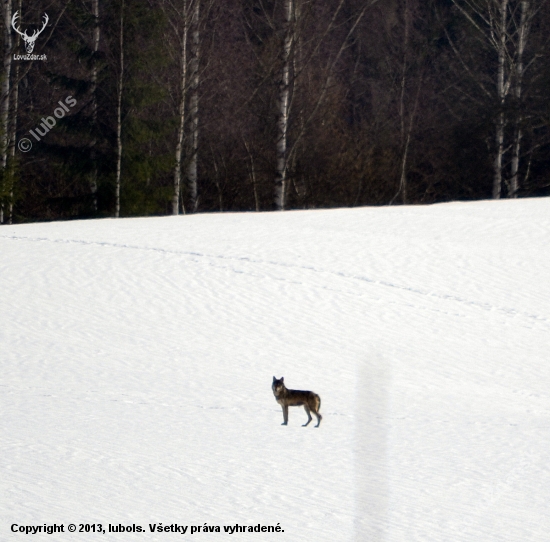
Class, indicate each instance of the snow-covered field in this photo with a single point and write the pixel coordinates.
(137, 357)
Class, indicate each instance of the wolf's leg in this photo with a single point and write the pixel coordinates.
(285, 414)
(316, 407)
(309, 418)
(319, 418)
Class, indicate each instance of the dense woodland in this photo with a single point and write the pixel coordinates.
(182, 106)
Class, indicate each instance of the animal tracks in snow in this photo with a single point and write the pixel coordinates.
(199, 257)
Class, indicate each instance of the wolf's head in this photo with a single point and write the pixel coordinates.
(278, 386)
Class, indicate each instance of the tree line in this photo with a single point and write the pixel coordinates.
(151, 107)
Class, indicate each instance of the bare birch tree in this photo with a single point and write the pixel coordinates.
(192, 173)
(292, 54)
(5, 97)
(119, 112)
(180, 27)
(503, 26)
(13, 132)
(499, 34)
(93, 93)
(283, 106)
(413, 55)
(523, 33)
(405, 132)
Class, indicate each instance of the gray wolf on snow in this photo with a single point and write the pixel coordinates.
(285, 397)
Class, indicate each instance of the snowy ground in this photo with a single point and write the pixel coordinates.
(137, 357)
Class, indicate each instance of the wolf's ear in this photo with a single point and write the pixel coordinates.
(282, 378)
(274, 379)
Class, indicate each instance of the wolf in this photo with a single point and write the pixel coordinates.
(285, 397)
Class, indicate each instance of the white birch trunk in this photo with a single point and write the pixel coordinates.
(518, 135)
(283, 113)
(12, 138)
(5, 104)
(252, 174)
(192, 174)
(298, 183)
(405, 136)
(93, 92)
(13, 129)
(119, 114)
(254, 184)
(181, 127)
(501, 36)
